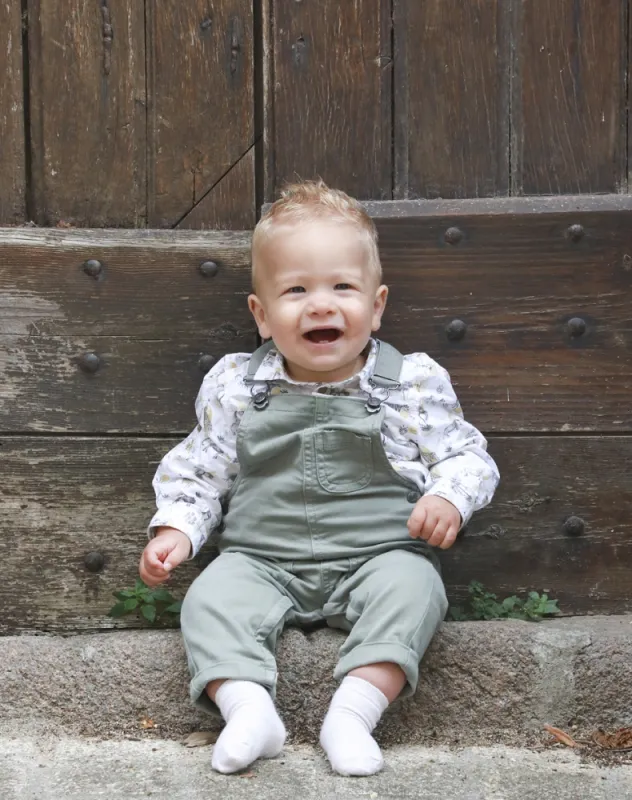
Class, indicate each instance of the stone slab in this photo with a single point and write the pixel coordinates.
(75, 769)
(481, 682)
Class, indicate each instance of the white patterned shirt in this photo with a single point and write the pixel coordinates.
(424, 435)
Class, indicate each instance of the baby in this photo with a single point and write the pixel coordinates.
(331, 465)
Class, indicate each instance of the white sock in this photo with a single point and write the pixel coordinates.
(355, 710)
(253, 727)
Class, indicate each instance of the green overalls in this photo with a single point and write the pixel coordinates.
(314, 530)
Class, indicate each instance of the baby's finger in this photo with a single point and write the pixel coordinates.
(438, 534)
(155, 558)
(450, 537)
(416, 522)
(429, 526)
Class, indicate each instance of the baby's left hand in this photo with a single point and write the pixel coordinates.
(436, 520)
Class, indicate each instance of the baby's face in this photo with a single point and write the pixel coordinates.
(318, 298)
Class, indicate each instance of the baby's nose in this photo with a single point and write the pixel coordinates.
(321, 303)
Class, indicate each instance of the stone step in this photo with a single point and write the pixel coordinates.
(47, 768)
(481, 682)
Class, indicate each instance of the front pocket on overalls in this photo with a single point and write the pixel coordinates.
(344, 460)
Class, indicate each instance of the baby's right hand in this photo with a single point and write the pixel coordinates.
(162, 555)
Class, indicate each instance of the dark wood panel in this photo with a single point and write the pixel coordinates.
(61, 498)
(230, 205)
(451, 98)
(12, 148)
(201, 62)
(516, 280)
(327, 98)
(149, 315)
(569, 97)
(520, 543)
(88, 112)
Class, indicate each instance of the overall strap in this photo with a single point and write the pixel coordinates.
(256, 359)
(388, 365)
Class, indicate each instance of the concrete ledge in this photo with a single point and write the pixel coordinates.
(491, 681)
(78, 769)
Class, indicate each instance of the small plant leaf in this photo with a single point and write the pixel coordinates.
(174, 608)
(149, 612)
(162, 595)
(131, 604)
(118, 610)
(124, 595)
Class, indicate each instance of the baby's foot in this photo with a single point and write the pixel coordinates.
(253, 727)
(346, 733)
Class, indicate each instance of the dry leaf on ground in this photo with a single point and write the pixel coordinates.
(619, 740)
(200, 739)
(561, 737)
(146, 723)
(248, 775)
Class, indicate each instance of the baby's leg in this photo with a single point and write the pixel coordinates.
(231, 618)
(394, 604)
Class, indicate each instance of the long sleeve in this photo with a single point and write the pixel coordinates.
(454, 452)
(194, 477)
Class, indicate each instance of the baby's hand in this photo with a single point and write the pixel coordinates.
(162, 555)
(436, 520)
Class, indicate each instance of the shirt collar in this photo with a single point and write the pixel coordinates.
(272, 368)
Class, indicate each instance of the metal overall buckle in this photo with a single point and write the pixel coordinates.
(374, 403)
(260, 398)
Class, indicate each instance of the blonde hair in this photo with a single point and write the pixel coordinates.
(312, 200)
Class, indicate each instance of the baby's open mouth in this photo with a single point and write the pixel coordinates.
(323, 336)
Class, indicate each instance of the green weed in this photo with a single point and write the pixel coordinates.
(153, 605)
(482, 604)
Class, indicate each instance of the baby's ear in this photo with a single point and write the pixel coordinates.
(256, 309)
(379, 305)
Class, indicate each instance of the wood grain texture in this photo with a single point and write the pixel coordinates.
(569, 97)
(88, 112)
(327, 99)
(519, 543)
(451, 98)
(61, 498)
(201, 62)
(12, 146)
(230, 204)
(149, 316)
(516, 281)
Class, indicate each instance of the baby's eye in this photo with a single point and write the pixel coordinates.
(343, 286)
(296, 290)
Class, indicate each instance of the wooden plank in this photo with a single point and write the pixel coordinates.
(327, 98)
(451, 98)
(516, 281)
(63, 497)
(201, 62)
(149, 315)
(12, 147)
(230, 205)
(519, 543)
(569, 97)
(88, 115)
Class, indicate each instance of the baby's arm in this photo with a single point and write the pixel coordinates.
(462, 476)
(192, 480)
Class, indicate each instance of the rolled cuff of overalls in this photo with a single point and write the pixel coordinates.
(380, 652)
